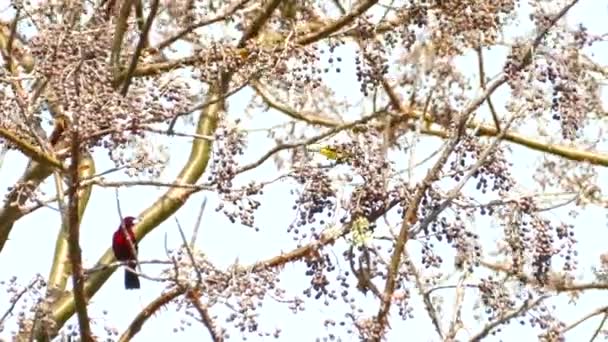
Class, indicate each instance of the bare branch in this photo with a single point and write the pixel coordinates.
(74, 237)
(527, 305)
(149, 311)
(216, 334)
(140, 45)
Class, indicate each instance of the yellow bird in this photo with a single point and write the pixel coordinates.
(330, 152)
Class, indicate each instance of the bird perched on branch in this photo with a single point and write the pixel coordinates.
(124, 246)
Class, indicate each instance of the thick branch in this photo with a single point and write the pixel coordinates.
(119, 33)
(254, 29)
(60, 270)
(75, 252)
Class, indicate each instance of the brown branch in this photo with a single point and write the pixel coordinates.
(30, 150)
(158, 68)
(338, 24)
(206, 319)
(254, 29)
(482, 82)
(598, 311)
(148, 311)
(527, 305)
(17, 49)
(105, 267)
(206, 104)
(426, 297)
(178, 134)
(453, 193)
(11, 38)
(74, 237)
(556, 282)
(408, 220)
(539, 37)
(61, 267)
(120, 184)
(15, 299)
(274, 103)
(139, 14)
(327, 237)
(143, 37)
(203, 23)
(599, 327)
(119, 33)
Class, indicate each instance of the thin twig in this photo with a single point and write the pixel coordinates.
(527, 305)
(120, 184)
(140, 45)
(309, 141)
(199, 275)
(598, 311)
(426, 298)
(456, 190)
(228, 13)
(456, 322)
(15, 299)
(599, 327)
(197, 225)
(11, 38)
(206, 104)
(120, 216)
(346, 19)
(482, 82)
(179, 134)
(104, 267)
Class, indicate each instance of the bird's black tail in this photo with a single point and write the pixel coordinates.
(131, 278)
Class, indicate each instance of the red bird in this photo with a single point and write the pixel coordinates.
(126, 250)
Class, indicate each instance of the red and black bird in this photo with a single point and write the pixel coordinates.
(125, 249)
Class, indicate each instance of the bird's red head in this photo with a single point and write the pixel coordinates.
(129, 221)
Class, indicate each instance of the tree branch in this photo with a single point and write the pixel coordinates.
(74, 237)
(143, 37)
(527, 305)
(148, 311)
